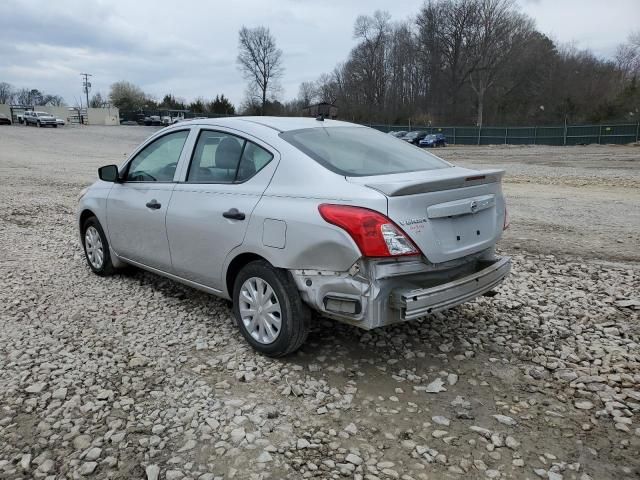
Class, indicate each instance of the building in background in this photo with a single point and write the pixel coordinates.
(327, 110)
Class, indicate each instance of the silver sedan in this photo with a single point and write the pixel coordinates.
(285, 216)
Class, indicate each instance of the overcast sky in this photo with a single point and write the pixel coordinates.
(189, 48)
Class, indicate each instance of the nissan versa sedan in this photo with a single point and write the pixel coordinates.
(285, 216)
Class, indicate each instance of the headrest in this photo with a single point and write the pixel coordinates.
(228, 153)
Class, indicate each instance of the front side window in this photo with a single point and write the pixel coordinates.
(224, 158)
(360, 151)
(157, 162)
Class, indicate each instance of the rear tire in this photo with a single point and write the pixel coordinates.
(96, 248)
(274, 291)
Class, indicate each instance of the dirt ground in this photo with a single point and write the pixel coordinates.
(577, 201)
(135, 376)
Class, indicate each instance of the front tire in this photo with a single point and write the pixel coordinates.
(269, 310)
(96, 248)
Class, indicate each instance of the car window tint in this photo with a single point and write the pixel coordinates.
(360, 151)
(254, 159)
(157, 162)
(215, 158)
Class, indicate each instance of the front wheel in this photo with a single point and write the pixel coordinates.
(268, 309)
(96, 247)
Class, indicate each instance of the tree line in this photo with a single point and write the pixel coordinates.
(475, 62)
(456, 62)
(129, 97)
(28, 96)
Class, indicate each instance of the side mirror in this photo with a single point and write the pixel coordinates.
(108, 173)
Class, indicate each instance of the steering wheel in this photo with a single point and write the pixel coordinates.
(143, 176)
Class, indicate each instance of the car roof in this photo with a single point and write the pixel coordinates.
(281, 124)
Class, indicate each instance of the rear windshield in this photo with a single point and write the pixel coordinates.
(360, 152)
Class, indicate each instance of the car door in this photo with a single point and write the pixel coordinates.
(210, 209)
(137, 205)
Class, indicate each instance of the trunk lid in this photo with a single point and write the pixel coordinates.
(449, 213)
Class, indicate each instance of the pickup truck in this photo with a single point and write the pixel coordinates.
(40, 119)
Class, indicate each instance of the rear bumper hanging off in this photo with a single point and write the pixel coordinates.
(375, 292)
(416, 303)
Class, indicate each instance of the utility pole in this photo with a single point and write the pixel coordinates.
(86, 85)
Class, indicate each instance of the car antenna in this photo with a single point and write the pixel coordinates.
(320, 117)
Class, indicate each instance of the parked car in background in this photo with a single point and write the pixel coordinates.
(40, 119)
(172, 118)
(4, 120)
(60, 122)
(433, 140)
(153, 120)
(398, 134)
(385, 233)
(414, 137)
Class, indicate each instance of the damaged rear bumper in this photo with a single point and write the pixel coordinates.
(420, 302)
(379, 292)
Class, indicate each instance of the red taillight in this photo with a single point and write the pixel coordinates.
(505, 225)
(375, 234)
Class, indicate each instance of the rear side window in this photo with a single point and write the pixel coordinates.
(224, 158)
(360, 151)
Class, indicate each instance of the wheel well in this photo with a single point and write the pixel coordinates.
(84, 215)
(236, 265)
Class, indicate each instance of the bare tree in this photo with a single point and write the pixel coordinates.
(328, 86)
(53, 100)
(6, 92)
(26, 96)
(307, 93)
(369, 58)
(628, 56)
(97, 101)
(445, 30)
(499, 31)
(260, 61)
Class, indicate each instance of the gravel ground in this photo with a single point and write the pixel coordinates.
(135, 376)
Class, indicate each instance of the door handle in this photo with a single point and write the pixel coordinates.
(153, 204)
(233, 214)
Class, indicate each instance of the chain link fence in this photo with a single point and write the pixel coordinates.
(621, 133)
(562, 135)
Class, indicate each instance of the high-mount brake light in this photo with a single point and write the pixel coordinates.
(374, 234)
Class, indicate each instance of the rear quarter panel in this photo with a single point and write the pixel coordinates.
(297, 188)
